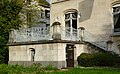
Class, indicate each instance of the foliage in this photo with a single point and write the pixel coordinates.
(44, 2)
(50, 67)
(87, 71)
(17, 69)
(36, 69)
(9, 19)
(31, 14)
(85, 59)
(105, 59)
(97, 59)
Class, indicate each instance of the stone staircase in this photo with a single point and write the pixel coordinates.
(97, 42)
(93, 48)
(102, 45)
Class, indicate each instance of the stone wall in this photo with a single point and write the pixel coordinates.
(45, 53)
(96, 15)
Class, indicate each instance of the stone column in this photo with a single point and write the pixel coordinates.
(109, 45)
(81, 33)
(56, 31)
(11, 38)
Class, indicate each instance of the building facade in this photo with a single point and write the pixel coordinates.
(76, 26)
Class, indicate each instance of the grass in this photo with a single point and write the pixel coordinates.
(36, 69)
(88, 71)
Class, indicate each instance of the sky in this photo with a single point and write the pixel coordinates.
(48, 1)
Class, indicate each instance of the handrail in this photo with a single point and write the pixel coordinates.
(95, 40)
(44, 33)
(31, 34)
(68, 35)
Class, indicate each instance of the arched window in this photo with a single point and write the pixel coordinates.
(32, 50)
(71, 22)
(116, 17)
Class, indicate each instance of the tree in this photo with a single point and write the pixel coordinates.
(44, 2)
(9, 19)
(31, 13)
(11, 12)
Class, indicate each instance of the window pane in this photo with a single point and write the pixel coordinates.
(116, 9)
(47, 13)
(67, 23)
(74, 24)
(67, 16)
(74, 15)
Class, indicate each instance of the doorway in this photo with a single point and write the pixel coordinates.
(70, 55)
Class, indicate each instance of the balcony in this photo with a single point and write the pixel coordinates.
(30, 34)
(42, 33)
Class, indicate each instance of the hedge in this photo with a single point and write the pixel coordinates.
(97, 59)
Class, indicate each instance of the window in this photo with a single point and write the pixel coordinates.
(47, 25)
(71, 20)
(116, 17)
(71, 23)
(42, 14)
(47, 13)
(32, 50)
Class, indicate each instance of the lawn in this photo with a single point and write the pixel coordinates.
(36, 69)
(88, 71)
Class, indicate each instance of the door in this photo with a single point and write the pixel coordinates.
(70, 56)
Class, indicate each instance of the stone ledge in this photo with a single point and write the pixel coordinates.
(115, 34)
(44, 42)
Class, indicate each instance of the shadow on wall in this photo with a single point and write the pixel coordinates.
(107, 31)
(85, 9)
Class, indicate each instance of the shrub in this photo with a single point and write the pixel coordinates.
(97, 59)
(85, 59)
(104, 59)
(36, 68)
